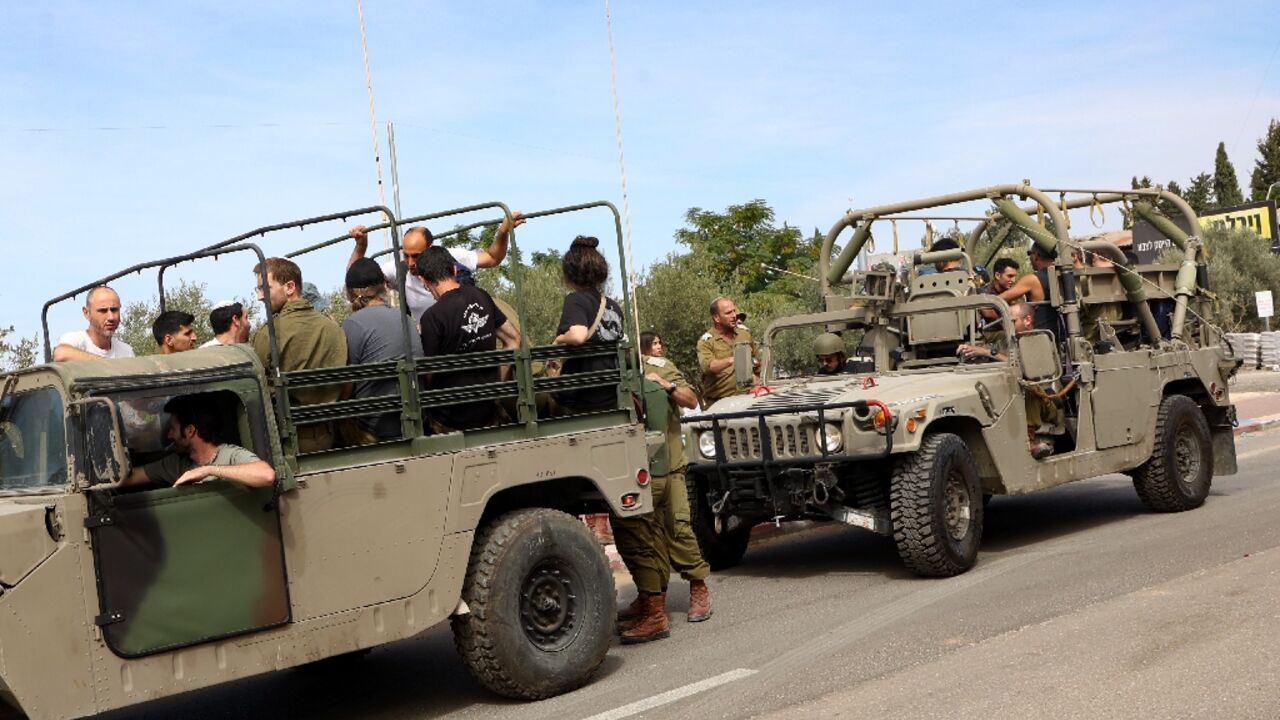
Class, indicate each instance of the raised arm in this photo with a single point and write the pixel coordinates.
(361, 237)
(497, 250)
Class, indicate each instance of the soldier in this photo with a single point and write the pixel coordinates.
(655, 544)
(306, 339)
(715, 352)
(829, 350)
(173, 332)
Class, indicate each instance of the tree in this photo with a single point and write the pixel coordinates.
(1240, 263)
(19, 354)
(1200, 193)
(541, 290)
(1226, 186)
(673, 298)
(743, 239)
(1266, 169)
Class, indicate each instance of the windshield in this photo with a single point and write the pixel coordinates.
(33, 449)
(795, 352)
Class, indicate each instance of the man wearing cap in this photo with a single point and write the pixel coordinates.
(229, 323)
(715, 352)
(305, 338)
(415, 242)
(375, 333)
(173, 332)
(654, 545)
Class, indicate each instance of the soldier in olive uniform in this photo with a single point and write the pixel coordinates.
(715, 352)
(306, 339)
(654, 545)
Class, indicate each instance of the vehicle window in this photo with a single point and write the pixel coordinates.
(33, 450)
(145, 424)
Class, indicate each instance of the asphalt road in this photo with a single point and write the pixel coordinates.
(1083, 605)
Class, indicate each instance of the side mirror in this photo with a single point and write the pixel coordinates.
(743, 369)
(104, 450)
(1038, 355)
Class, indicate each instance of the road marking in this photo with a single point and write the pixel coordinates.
(671, 696)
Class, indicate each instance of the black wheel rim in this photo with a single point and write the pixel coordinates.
(1186, 456)
(549, 605)
(957, 505)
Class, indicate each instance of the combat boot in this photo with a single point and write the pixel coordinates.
(633, 610)
(652, 625)
(699, 601)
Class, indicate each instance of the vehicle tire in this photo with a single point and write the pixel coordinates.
(1179, 472)
(935, 504)
(541, 599)
(722, 549)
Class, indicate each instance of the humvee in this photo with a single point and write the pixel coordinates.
(110, 598)
(914, 448)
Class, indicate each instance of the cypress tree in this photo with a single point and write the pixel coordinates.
(1267, 169)
(1226, 186)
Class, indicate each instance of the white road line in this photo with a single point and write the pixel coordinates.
(670, 696)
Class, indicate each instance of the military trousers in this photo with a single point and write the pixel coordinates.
(654, 545)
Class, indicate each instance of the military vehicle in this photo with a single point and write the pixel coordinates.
(110, 598)
(913, 448)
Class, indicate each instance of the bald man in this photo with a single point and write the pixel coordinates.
(416, 240)
(102, 310)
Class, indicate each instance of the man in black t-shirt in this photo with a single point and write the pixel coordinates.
(463, 319)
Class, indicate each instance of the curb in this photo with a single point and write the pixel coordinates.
(1256, 424)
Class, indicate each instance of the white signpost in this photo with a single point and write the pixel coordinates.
(1265, 307)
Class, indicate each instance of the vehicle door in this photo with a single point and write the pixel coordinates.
(180, 566)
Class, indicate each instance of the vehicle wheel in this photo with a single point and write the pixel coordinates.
(541, 600)
(721, 548)
(1180, 470)
(935, 503)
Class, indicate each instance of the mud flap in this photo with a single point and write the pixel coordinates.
(1224, 451)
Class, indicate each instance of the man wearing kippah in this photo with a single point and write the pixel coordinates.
(375, 333)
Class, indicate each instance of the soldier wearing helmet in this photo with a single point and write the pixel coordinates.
(829, 349)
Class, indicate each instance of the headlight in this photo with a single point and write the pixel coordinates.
(707, 443)
(832, 438)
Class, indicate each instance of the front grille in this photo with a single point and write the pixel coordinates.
(789, 440)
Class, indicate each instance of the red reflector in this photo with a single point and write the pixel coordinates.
(642, 477)
(630, 501)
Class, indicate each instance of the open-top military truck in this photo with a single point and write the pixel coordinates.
(913, 449)
(110, 598)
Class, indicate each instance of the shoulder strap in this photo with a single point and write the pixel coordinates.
(595, 324)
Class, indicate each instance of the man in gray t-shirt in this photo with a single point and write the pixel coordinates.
(199, 453)
(375, 333)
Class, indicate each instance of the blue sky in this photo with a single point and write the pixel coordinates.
(135, 130)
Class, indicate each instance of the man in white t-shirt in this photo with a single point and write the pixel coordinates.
(416, 240)
(230, 324)
(102, 310)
